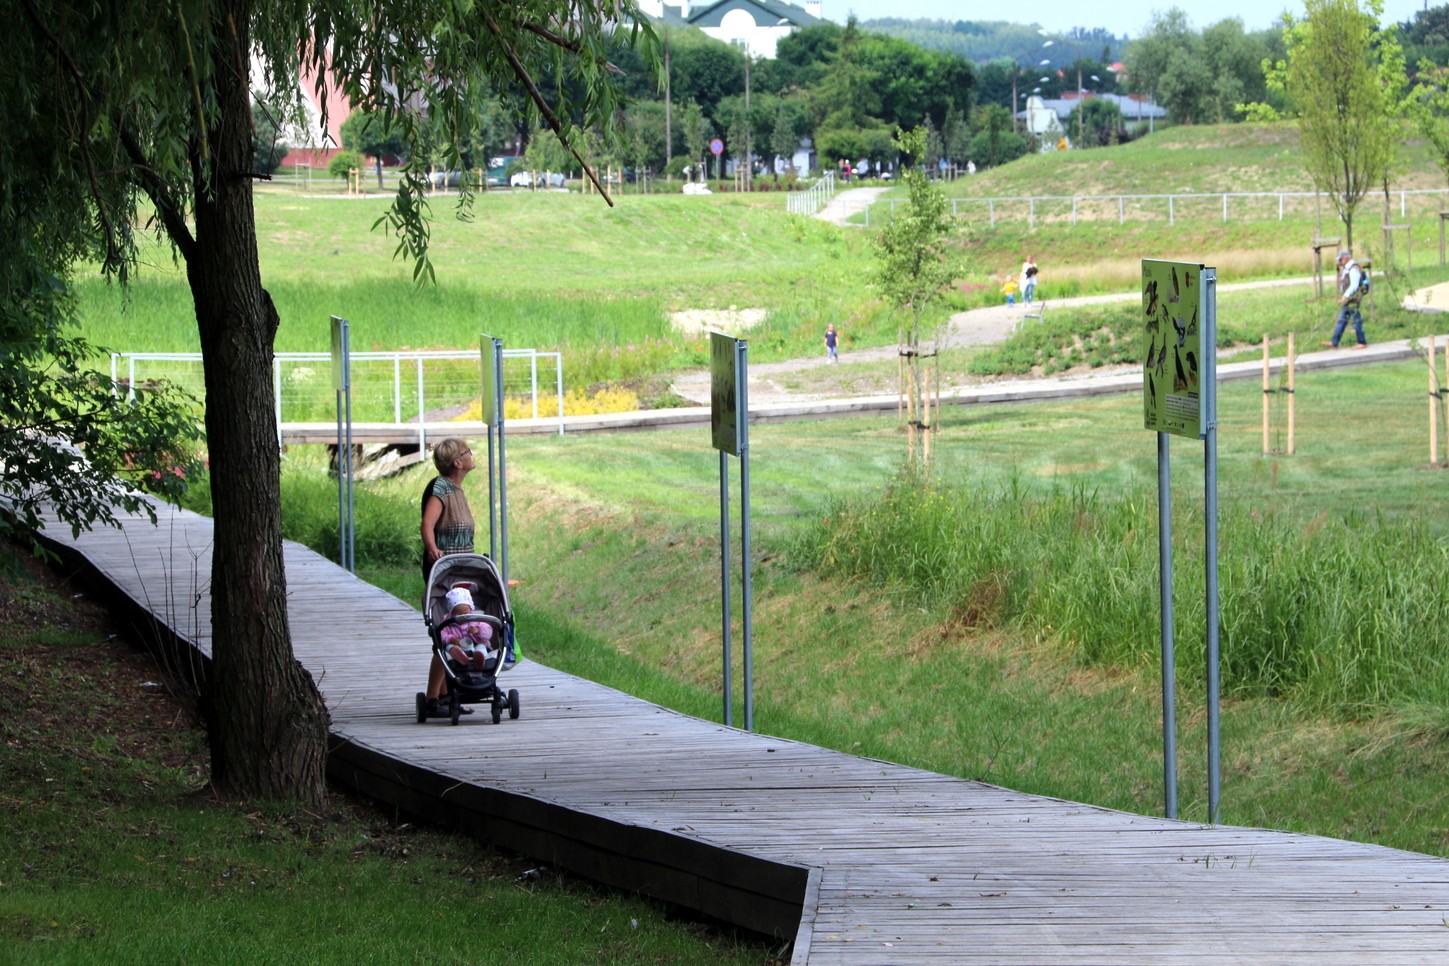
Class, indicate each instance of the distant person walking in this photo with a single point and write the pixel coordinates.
(1350, 293)
(1008, 288)
(1028, 279)
(832, 340)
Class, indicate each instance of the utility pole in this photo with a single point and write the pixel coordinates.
(749, 130)
(1081, 101)
(668, 111)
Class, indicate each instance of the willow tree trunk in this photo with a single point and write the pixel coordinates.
(266, 721)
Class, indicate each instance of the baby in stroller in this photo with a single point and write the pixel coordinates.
(470, 627)
(467, 635)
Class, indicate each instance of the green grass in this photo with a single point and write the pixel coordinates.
(1002, 625)
(116, 853)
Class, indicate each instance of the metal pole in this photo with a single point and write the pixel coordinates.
(502, 461)
(533, 380)
(341, 494)
(1210, 526)
(743, 409)
(1164, 592)
(351, 503)
(724, 575)
(492, 496)
(277, 391)
(558, 390)
(422, 426)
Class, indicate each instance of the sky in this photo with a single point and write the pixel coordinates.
(1121, 17)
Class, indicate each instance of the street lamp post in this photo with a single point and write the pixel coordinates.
(1016, 72)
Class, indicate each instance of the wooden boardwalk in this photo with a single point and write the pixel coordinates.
(862, 862)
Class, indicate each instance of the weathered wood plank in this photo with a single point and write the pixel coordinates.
(863, 861)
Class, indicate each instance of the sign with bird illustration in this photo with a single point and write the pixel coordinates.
(1174, 313)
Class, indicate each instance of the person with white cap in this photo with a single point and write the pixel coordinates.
(1350, 293)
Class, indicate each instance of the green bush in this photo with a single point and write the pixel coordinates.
(342, 162)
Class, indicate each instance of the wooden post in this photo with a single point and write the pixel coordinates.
(1433, 404)
(1318, 244)
(1267, 393)
(926, 420)
(900, 374)
(1292, 398)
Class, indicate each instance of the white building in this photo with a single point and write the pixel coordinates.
(754, 26)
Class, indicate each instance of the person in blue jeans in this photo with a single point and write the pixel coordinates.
(1028, 279)
(1350, 278)
(832, 340)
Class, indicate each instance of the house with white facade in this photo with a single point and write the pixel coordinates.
(754, 26)
(1047, 118)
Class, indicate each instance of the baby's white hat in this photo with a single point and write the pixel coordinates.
(459, 595)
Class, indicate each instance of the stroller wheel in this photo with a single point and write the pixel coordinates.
(497, 707)
(513, 703)
(422, 707)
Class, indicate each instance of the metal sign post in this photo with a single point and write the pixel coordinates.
(342, 384)
(491, 396)
(716, 148)
(729, 428)
(1179, 398)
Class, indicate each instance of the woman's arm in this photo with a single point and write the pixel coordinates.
(432, 511)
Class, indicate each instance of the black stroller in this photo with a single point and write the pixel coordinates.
(466, 684)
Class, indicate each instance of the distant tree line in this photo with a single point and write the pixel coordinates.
(850, 88)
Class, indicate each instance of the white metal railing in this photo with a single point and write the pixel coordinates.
(812, 199)
(302, 382)
(1224, 206)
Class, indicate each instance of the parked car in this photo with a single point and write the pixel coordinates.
(445, 179)
(548, 179)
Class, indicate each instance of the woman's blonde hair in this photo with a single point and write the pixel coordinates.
(446, 452)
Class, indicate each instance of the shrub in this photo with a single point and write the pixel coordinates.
(342, 162)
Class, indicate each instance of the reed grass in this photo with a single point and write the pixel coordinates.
(1315, 613)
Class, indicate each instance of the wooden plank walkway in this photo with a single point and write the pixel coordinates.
(862, 862)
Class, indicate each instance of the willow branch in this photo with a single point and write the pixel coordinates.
(155, 187)
(558, 40)
(113, 253)
(541, 103)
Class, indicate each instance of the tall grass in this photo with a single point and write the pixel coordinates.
(1342, 614)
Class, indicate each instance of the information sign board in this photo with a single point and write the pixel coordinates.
(1175, 314)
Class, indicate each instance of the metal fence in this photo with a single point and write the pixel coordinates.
(812, 199)
(397, 388)
(1224, 207)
